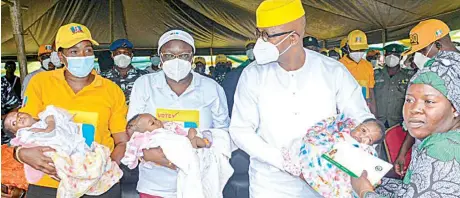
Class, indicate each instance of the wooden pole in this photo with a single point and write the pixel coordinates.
(18, 32)
(384, 37)
(212, 43)
(111, 20)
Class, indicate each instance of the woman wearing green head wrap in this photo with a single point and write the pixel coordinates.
(431, 114)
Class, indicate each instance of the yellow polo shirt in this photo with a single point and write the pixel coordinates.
(100, 107)
(363, 72)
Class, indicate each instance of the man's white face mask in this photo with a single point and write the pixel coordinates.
(45, 63)
(357, 56)
(122, 61)
(266, 52)
(421, 59)
(55, 59)
(392, 61)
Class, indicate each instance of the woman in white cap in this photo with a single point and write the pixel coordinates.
(175, 94)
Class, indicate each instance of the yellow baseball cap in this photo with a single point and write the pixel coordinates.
(357, 40)
(71, 34)
(199, 59)
(425, 33)
(44, 49)
(221, 58)
(343, 42)
(272, 13)
(249, 42)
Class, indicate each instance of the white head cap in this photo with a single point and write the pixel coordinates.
(176, 35)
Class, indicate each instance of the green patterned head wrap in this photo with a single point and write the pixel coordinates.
(442, 73)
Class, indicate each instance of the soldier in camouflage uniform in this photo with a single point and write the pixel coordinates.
(123, 73)
(10, 100)
(390, 86)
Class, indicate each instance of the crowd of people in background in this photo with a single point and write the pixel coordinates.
(415, 89)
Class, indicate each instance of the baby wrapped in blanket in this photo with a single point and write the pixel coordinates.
(202, 173)
(304, 159)
(81, 169)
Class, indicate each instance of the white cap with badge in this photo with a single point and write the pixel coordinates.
(176, 35)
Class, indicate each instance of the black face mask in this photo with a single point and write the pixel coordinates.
(200, 69)
(345, 50)
(221, 68)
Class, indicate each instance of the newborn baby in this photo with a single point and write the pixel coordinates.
(142, 129)
(304, 159)
(81, 169)
(147, 123)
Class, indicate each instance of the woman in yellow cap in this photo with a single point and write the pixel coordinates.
(97, 104)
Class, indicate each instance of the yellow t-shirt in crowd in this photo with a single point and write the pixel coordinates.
(100, 107)
(363, 72)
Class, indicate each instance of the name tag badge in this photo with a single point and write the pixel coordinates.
(88, 124)
(190, 118)
(88, 132)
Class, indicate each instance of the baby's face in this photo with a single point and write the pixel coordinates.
(367, 133)
(144, 123)
(16, 120)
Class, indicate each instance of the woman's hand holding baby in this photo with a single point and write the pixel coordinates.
(37, 159)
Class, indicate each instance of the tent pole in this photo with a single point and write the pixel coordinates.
(111, 19)
(16, 20)
(384, 37)
(212, 42)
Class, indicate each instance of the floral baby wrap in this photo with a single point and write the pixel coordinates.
(304, 157)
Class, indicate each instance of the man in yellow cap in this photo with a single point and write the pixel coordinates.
(221, 68)
(428, 39)
(359, 67)
(286, 90)
(344, 46)
(96, 103)
(200, 65)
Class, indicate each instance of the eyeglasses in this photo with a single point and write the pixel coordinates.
(265, 36)
(183, 56)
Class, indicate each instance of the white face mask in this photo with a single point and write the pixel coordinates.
(122, 60)
(335, 57)
(250, 54)
(55, 59)
(176, 69)
(266, 52)
(45, 63)
(392, 61)
(374, 63)
(356, 56)
(421, 59)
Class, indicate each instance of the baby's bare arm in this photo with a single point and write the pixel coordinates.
(192, 133)
(200, 142)
(51, 125)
